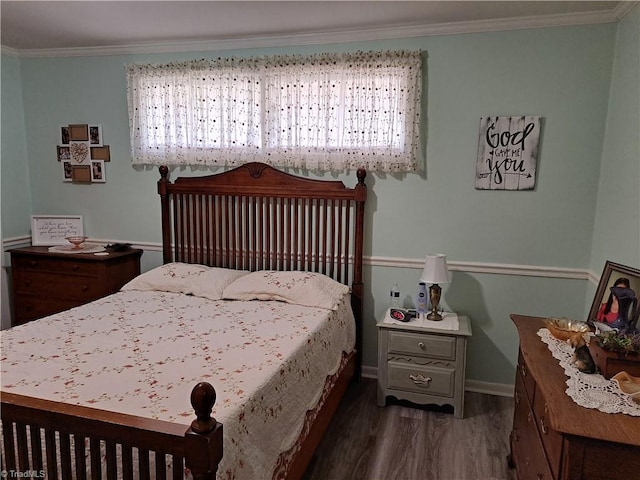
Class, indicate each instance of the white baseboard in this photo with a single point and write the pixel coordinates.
(477, 386)
(490, 388)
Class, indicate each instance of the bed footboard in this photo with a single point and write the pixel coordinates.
(56, 440)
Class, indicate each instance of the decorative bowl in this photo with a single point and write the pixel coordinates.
(76, 241)
(564, 328)
(628, 384)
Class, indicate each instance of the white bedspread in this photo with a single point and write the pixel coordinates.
(141, 353)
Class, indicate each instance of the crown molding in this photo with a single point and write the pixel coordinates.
(385, 33)
(624, 7)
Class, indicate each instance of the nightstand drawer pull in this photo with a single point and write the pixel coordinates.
(420, 380)
(422, 345)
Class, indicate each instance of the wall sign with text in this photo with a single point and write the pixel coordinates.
(507, 153)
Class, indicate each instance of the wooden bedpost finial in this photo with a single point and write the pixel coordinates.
(164, 172)
(203, 397)
(361, 174)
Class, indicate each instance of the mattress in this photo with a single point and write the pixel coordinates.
(141, 353)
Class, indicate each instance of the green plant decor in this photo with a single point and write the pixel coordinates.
(620, 342)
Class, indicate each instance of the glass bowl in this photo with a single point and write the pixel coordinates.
(76, 241)
(564, 328)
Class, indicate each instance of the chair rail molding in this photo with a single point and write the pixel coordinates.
(393, 262)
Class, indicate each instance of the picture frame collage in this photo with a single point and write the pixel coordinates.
(82, 153)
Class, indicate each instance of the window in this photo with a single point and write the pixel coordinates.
(321, 112)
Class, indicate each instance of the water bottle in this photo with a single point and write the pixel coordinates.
(394, 296)
(421, 300)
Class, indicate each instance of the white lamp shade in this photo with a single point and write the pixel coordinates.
(435, 269)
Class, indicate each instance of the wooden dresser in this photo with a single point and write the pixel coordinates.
(45, 283)
(553, 437)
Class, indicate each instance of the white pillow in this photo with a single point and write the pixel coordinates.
(173, 277)
(212, 283)
(300, 288)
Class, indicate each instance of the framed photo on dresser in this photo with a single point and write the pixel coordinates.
(616, 299)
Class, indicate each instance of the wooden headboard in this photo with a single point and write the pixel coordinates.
(256, 217)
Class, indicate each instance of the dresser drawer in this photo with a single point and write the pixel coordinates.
(433, 346)
(34, 307)
(57, 286)
(421, 379)
(54, 265)
(528, 381)
(551, 440)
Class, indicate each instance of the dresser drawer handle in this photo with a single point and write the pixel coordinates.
(85, 288)
(523, 370)
(422, 345)
(420, 380)
(75, 267)
(543, 427)
(517, 397)
(33, 263)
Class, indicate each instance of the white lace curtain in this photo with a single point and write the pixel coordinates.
(322, 112)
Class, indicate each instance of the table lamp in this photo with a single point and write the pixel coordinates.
(435, 272)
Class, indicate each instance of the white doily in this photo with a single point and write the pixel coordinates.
(84, 248)
(589, 390)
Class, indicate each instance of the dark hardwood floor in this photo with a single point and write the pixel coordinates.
(397, 442)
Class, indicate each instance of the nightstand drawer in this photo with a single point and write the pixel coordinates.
(433, 346)
(421, 379)
(54, 265)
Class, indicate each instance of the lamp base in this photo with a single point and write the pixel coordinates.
(434, 298)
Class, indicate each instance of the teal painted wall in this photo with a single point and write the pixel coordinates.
(16, 192)
(617, 223)
(562, 74)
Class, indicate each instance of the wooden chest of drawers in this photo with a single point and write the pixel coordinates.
(45, 283)
(553, 438)
(422, 365)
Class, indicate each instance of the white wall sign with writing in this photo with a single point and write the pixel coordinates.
(507, 153)
(54, 229)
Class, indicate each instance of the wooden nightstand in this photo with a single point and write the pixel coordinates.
(421, 364)
(45, 283)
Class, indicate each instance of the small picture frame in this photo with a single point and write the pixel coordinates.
(101, 153)
(81, 173)
(64, 153)
(97, 171)
(64, 134)
(79, 133)
(67, 171)
(48, 230)
(606, 308)
(95, 135)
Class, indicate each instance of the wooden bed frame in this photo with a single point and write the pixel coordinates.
(253, 217)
